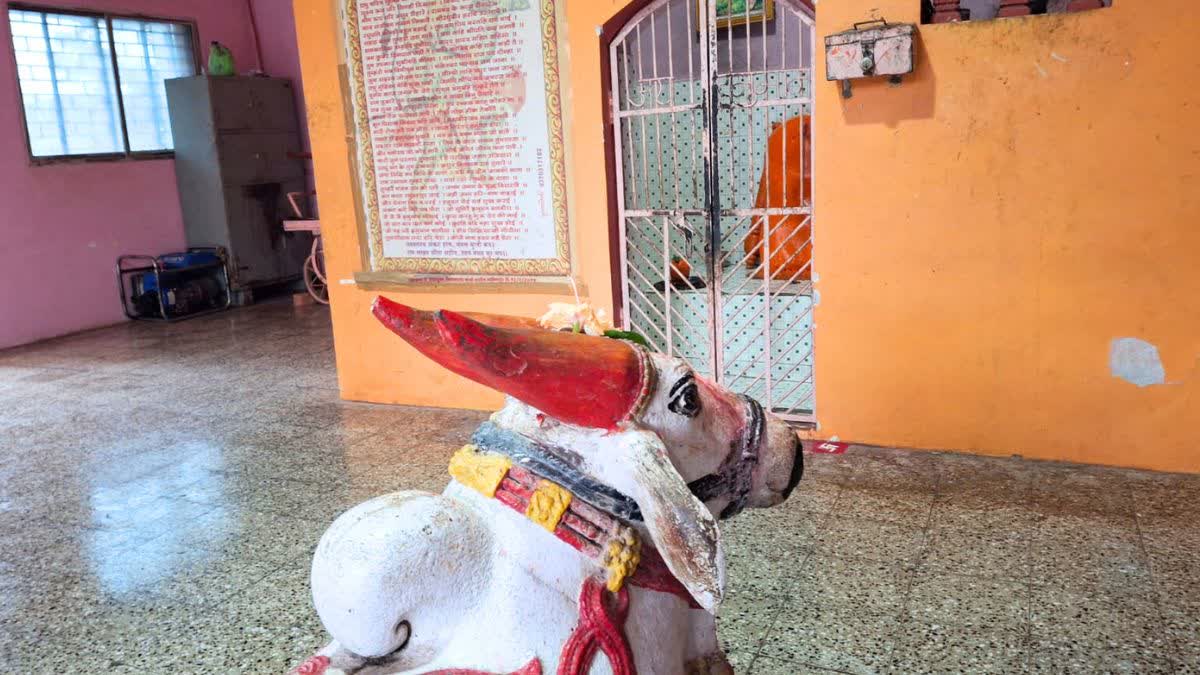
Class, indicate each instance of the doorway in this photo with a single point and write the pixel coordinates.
(709, 111)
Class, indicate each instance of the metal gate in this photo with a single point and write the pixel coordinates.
(715, 234)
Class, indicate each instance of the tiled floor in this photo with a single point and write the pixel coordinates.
(162, 488)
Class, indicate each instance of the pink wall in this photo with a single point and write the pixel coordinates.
(62, 226)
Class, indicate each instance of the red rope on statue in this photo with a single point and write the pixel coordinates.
(601, 628)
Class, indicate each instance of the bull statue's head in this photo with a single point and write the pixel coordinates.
(686, 450)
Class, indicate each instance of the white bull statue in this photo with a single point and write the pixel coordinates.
(580, 521)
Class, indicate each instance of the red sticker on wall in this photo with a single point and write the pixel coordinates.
(828, 448)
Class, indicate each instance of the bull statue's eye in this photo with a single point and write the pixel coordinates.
(685, 397)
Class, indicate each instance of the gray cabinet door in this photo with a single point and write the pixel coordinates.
(261, 251)
(253, 104)
(255, 234)
(276, 105)
(258, 157)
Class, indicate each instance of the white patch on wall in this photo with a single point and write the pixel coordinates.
(1135, 361)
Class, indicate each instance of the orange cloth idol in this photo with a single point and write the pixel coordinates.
(786, 182)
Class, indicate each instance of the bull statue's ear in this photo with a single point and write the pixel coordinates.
(683, 529)
(635, 462)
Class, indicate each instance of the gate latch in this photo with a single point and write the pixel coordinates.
(869, 49)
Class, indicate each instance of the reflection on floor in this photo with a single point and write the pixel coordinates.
(162, 488)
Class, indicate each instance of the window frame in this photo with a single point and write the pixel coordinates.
(127, 155)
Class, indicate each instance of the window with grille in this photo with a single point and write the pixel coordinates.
(946, 11)
(92, 84)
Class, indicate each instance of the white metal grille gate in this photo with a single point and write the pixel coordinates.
(695, 98)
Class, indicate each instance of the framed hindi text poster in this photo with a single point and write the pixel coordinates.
(458, 125)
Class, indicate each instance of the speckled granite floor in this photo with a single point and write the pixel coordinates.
(162, 488)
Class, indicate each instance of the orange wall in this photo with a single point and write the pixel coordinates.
(983, 232)
(986, 229)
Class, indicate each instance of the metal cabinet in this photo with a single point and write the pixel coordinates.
(236, 143)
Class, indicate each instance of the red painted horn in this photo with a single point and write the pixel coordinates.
(399, 317)
(419, 329)
(583, 380)
(580, 379)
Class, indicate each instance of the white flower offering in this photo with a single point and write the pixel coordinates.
(578, 317)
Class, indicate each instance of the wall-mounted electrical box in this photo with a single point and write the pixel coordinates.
(869, 49)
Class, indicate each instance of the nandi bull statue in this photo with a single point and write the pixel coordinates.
(580, 521)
